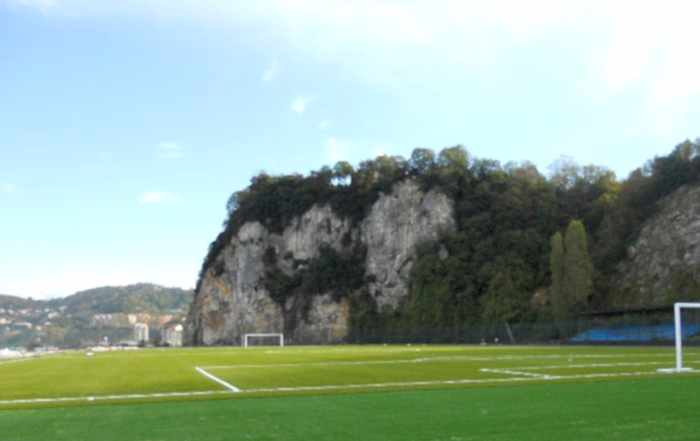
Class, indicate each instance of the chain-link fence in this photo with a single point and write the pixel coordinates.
(622, 328)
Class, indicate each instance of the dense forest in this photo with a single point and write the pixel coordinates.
(528, 247)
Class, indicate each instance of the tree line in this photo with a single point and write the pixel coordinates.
(527, 246)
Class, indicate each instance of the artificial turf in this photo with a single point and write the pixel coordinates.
(292, 369)
(660, 408)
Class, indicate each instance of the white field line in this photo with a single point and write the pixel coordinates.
(297, 389)
(33, 356)
(438, 359)
(516, 373)
(594, 365)
(449, 382)
(228, 386)
(16, 360)
(334, 387)
(319, 363)
(523, 371)
(112, 397)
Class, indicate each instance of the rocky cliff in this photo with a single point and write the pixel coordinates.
(663, 264)
(255, 283)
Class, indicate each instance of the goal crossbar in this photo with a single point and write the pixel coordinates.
(677, 309)
(263, 334)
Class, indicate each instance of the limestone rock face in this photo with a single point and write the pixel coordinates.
(232, 299)
(667, 252)
(396, 224)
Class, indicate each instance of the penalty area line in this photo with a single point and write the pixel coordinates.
(216, 379)
(510, 380)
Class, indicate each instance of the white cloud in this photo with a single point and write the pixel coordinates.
(169, 150)
(270, 72)
(156, 197)
(299, 104)
(44, 6)
(373, 39)
(7, 188)
(648, 48)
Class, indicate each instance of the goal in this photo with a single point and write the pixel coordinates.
(268, 339)
(681, 330)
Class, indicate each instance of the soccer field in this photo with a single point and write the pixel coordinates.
(305, 383)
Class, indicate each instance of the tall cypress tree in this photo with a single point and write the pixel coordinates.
(572, 273)
(578, 269)
(557, 293)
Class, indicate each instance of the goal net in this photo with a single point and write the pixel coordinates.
(264, 339)
(686, 332)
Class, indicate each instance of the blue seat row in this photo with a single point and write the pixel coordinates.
(634, 333)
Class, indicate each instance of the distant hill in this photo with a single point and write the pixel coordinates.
(14, 302)
(130, 299)
(88, 316)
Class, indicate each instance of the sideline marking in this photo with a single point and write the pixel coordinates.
(335, 387)
(228, 386)
(113, 397)
(16, 360)
(445, 359)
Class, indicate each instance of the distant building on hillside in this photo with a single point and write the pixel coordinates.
(141, 332)
(172, 335)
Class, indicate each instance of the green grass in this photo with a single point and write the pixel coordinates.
(419, 392)
(650, 409)
(259, 371)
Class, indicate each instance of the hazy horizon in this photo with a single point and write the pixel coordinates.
(91, 288)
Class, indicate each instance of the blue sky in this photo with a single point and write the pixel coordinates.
(125, 125)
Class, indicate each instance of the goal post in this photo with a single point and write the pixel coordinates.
(265, 335)
(678, 335)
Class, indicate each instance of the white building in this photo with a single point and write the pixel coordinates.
(141, 332)
(172, 335)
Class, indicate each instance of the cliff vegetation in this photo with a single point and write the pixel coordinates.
(495, 264)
